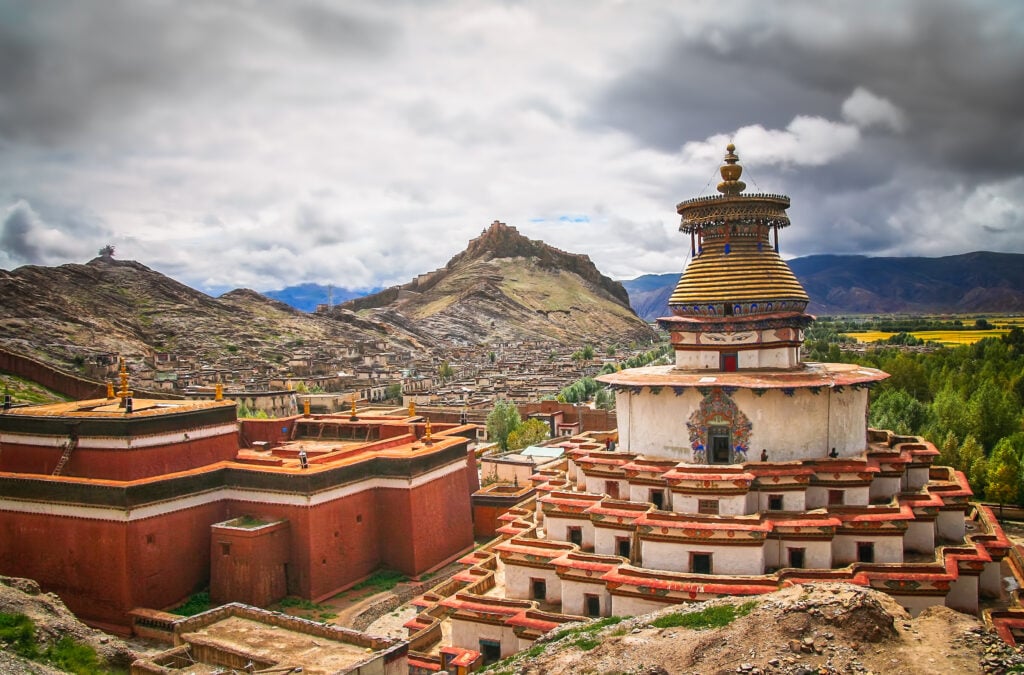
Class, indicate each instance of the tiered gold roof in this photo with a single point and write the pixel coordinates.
(736, 269)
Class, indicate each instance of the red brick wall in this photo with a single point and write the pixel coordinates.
(249, 565)
(441, 523)
(272, 431)
(121, 464)
(103, 569)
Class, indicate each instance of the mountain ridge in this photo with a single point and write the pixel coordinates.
(980, 281)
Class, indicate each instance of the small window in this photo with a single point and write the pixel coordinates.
(774, 502)
(622, 546)
(592, 604)
(575, 535)
(359, 517)
(700, 563)
(866, 551)
(707, 506)
(730, 362)
(151, 538)
(225, 548)
(658, 499)
(611, 488)
(539, 589)
(491, 651)
(835, 497)
(796, 557)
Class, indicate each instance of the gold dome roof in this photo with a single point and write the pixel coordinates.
(736, 270)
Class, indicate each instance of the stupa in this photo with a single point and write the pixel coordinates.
(739, 469)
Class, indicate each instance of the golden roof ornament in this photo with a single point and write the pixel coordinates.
(124, 392)
(731, 172)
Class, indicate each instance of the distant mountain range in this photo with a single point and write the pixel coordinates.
(307, 297)
(853, 284)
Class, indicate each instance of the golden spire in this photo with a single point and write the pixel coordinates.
(110, 390)
(731, 172)
(353, 417)
(412, 408)
(125, 392)
(429, 441)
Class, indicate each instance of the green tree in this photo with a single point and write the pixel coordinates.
(1004, 474)
(530, 432)
(394, 391)
(897, 410)
(971, 453)
(445, 371)
(949, 451)
(604, 399)
(502, 421)
(588, 352)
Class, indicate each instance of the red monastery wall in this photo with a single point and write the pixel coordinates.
(441, 501)
(273, 431)
(103, 569)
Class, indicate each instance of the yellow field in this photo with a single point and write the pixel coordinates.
(946, 337)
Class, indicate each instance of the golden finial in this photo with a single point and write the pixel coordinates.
(110, 390)
(218, 392)
(429, 440)
(305, 407)
(412, 408)
(125, 392)
(353, 417)
(731, 172)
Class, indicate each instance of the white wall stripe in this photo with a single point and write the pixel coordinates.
(222, 494)
(120, 443)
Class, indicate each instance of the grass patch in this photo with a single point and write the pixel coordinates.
(709, 617)
(18, 634)
(380, 581)
(291, 602)
(75, 657)
(591, 627)
(196, 604)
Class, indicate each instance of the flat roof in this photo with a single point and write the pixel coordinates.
(105, 408)
(810, 375)
(314, 653)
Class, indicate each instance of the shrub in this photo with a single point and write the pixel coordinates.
(18, 634)
(197, 603)
(709, 617)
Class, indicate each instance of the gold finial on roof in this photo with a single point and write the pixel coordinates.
(125, 392)
(731, 172)
(218, 392)
(429, 440)
(110, 390)
(412, 408)
(353, 417)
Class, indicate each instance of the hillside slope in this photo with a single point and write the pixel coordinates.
(505, 287)
(118, 306)
(824, 629)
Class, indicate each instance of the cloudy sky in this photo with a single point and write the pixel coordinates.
(236, 143)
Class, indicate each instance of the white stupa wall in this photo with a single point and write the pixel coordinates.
(798, 427)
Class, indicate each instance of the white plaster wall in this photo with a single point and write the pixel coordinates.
(963, 594)
(888, 549)
(884, 487)
(991, 581)
(920, 537)
(517, 583)
(779, 357)
(467, 635)
(950, 526)
(572, 597)
(675, 557)
(915, 604)
(729, 505)
(917, 477)
(642, 494)
(792, 500)
(596, 485)
(702, 360)
(858, 496)
(802, 426)
(629, 606)
(817, 554)
(604, 540)
(557, 529)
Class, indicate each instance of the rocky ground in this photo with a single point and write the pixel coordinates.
(52, 622)
(822, 629)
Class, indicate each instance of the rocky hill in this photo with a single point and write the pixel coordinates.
(118, 306)
(982, 282)
(33, 650)
(505, 286)
(820, 629)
